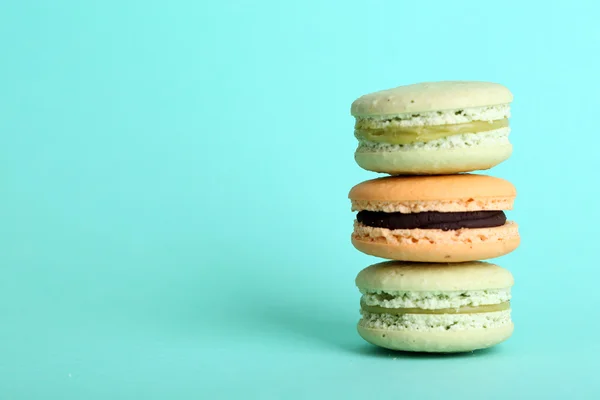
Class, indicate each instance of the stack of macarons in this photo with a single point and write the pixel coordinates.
(433, 218)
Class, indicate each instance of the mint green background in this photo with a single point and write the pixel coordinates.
(174, 220)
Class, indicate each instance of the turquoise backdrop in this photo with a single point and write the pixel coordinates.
(174, 220)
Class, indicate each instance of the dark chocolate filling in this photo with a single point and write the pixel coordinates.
(445, 221)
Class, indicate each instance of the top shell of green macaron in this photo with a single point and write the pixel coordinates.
(406, 276)
(431, 96)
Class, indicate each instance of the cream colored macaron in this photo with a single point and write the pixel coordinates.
(433, 128)
(447, 218)
(441, 308)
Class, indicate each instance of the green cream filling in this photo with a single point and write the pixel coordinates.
(461, 310)
(423, 133)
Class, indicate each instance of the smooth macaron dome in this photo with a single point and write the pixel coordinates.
(447, 218)
(433, 128)
(449, 307)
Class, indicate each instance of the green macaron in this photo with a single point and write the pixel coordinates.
(439, 308)
(433, 128)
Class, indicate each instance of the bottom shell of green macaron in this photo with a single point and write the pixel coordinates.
(442, 333)
(431, 160)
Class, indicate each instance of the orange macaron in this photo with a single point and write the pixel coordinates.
(451, 218)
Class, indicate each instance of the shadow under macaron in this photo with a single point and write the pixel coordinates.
(308, 324)
(380, 352)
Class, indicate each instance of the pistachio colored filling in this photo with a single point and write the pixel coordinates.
(461, 310)
(423, 133)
